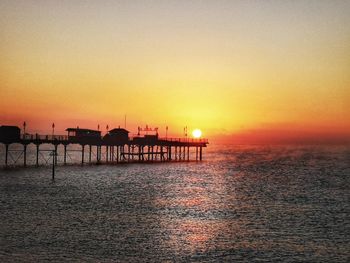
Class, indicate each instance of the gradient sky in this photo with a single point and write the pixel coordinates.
(231, 68)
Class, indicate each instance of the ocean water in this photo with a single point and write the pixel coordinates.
(241, 204)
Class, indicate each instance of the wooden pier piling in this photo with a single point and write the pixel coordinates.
(25, 154)
(82, 153)
(64, 154)
(55, 156)
(6, 153)
(37, 155)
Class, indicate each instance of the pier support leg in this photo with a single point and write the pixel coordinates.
(200, 153)
(37, 155)
(139, 153)
(196, 153)
(107, 153)
(118, 154)
(82, 154)
(143, 153)
(55, 156)
(99, 153)
(169, 152)
(6, 153)
(25, 154)
(53, 165)
(122, 153)
(65, 154)
(188, 153)
(90, 150)
(96, 153)
(111, 153)
(129, 153)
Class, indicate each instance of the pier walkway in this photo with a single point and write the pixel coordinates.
(113, 150)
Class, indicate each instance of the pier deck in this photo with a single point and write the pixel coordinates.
(134, 149)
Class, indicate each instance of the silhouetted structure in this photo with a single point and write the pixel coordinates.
(10, 133)
(119, 147)
(83, 136)
(117, 136)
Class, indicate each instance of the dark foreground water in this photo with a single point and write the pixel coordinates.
(243, 204)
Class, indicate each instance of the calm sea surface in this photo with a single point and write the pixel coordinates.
(242, 204)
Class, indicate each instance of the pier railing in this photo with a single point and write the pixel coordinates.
(38, 137)
(190, 140)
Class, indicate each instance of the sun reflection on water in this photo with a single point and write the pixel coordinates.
(192, 207)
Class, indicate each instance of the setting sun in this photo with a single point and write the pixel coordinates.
(197, 133)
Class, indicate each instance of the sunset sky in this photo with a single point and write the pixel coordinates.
(241, 71)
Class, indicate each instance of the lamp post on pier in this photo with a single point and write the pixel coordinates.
(53, 130)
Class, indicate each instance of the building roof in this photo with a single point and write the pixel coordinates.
(9, 127)
(118, 130)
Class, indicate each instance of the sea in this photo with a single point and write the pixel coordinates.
(242, 203)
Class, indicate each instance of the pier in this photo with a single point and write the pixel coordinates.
(113, 148)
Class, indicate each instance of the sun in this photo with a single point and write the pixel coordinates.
(197, 133)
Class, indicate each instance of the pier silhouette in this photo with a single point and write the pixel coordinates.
(119, 146)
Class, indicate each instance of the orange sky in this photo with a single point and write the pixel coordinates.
(242, 71)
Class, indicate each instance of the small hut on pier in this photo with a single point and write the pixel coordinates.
(150, 136)
(10, 133)
(84, 136)
(117, 136)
